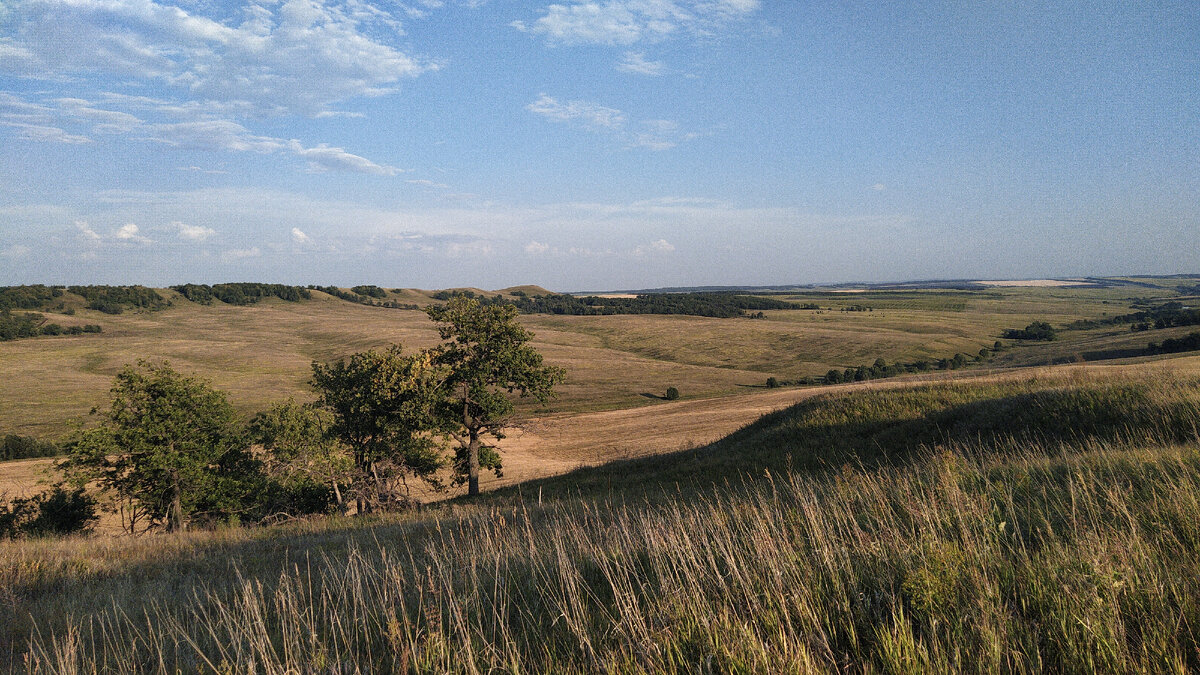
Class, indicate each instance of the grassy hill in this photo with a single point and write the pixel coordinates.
(1038, 521)
(261, 353)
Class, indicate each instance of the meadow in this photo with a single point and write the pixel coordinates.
(953, 527)
(1035, 511)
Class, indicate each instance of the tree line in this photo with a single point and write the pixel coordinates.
(240, 293)
(1187, 343)
(14, 326)
(707, 304)
(365, 295)
(1166, 315)
(170, 451)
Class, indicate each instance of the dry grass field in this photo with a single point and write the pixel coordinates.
(262, 353)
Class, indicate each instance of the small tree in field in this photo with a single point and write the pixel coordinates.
(383, 406)
(672, 394)
(171, 447)
(487, 358)
(301, 451)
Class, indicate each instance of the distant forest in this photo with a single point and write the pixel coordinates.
(710, 304)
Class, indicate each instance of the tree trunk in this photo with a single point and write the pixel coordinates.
(473, 463)
(175, 516)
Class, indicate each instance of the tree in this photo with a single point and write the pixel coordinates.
(301, 452)
(169, 445)
(384, 407)
(487, 358)
(672, 394)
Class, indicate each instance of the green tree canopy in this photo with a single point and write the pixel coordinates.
(383, 405)
(487, 359)
(301, 450)
(169, 445)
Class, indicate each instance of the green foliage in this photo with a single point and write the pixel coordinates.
(241, 293)
(672, 394)
(28, 297)
(722, 305)
(383, 409)
(365, 297)
(772, 383)
(487, 357)
(116, 299)
(56, 511)
(1187, 343)
(1038, 330)
(834, 376)
(28, 324)
(24, 447)
(310, 466)
(171, 447)
(370, 291)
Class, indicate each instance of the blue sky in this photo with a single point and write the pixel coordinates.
(595, 145)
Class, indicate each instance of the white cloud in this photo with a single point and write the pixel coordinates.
(589, 114)
(193, 232)
(16, 251)
(206, 134)
(240, 254)
(130, 232)
(325, 158)
(657, 246)
(298, 56)
(428, 183)
(47, 134)
(536, 248)
(300, 237)
(879, 187)
(625, 22)
(635, 62)
(86, 230)
(652, 134)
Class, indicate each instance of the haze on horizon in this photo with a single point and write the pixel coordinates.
(595, 144)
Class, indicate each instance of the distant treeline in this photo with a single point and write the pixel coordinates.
(28, 324)
(116, 299)
(365, 295)
(1167, 315)
(881, 369)
(1187, 343)
(715, 304)
(28, 297)
(241, 293)
(13, 446)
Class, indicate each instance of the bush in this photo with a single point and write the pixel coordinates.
(13, 446)
(55, 511)
(672, 393)
(772, 383)
(1038, 330)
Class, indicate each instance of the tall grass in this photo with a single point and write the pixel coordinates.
(967, 552)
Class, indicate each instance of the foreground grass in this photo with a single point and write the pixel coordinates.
(1028, 526)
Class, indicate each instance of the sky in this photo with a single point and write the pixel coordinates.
(595, 145)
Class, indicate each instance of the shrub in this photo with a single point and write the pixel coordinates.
(1038, 330)
(672, 393)
(772, 383)
(55, 511)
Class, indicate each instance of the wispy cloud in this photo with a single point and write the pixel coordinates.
(652, 134)
(626, 22)
(236, 254)
(298, 56)
(205, 133)
(592, 115)
(635, 62)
